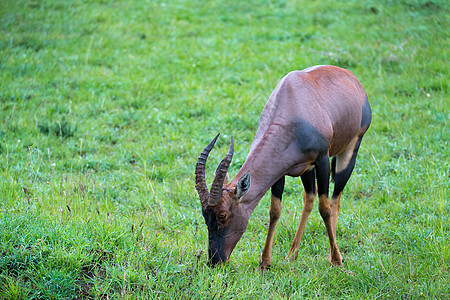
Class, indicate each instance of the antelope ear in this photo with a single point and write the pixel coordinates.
(243, 186)
(225, 181)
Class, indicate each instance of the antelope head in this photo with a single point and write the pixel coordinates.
(225, 217)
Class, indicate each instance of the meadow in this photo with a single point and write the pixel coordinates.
(106, 105)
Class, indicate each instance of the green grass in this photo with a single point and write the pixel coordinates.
(105, 107)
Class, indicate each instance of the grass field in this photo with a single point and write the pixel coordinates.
(106, 105)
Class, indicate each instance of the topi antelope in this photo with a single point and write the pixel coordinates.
(312, 115)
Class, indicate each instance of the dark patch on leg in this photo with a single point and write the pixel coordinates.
(341, 178)
(325, 214)
(333, 168)
(273, 216)
(325, 211)
(278, 188)
(323, 174)
(309, 183)
(366, 117)
(309, 138)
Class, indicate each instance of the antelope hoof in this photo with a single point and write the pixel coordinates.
(292, 256)
(335, 261)
(263, 267)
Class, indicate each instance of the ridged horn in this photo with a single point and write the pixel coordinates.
(221, 173)
(200, 181)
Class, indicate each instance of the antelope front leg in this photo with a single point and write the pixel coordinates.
(335, 205)
(308, 202)
(329, 216)
(275, 211)
(328, 212)
(309, 184)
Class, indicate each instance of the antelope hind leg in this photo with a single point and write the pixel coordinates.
(344, 164)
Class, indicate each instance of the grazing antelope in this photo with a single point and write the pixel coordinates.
(312, 115)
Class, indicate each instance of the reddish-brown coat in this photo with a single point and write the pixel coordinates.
(311, 112)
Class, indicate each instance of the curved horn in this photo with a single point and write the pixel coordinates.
(221, 173)
(200, 182)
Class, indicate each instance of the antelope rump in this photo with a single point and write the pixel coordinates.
(313, 115)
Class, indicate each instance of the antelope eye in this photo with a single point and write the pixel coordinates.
(222, 216)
